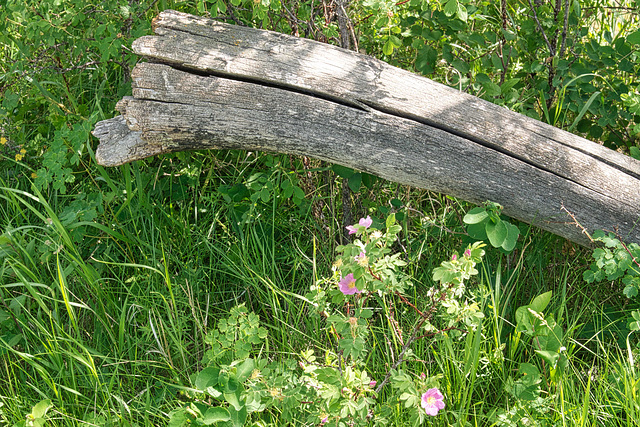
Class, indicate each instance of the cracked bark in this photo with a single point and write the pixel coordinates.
(215, 86)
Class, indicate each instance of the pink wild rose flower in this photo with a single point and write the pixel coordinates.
(432, 401)
(348, 285)
(365, 222)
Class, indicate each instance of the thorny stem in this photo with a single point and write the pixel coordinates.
(414, 337)
(576, 223)
(633, 258)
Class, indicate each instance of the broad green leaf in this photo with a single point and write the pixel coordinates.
(215, 415)
(208, 377)
(508, 84)
(512, 237)
(451, 7)
(233, 398)
(387, 49)
(462, 13)
(342, 171)
(497, 233)
(41, 408)
(477, 231)
(355, 181)
(426, 60)
(475, 216)
(391, 220)
(460, 65)
(540, 302)
(245, 369)
(551, 357)
(634, 38)
(396, 41)
(238, 417)
(368, 180)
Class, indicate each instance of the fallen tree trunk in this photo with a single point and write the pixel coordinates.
(216, 86)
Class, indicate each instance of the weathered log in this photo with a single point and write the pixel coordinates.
(216, 86)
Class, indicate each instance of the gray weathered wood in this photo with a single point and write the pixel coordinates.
(226, 86)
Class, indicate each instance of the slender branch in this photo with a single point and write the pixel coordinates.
(633, 258)
(576, 223)
(535, 17)
(414, 337)
(564, 27)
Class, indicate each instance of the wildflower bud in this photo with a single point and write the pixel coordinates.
(454, 257)
(467, 252)
(372, 384)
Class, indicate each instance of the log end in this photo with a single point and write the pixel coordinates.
(119, 144)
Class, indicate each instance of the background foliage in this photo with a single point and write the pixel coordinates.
(111, 281)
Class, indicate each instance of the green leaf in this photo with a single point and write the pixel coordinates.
(462, 13)
(355, 181)
(391, 220)
(387, 49)
(460, 65)
(551, 357)
(395, 40)
(233, 398)
(540, 302)
(512, 237)
(368, 180)
(477, 231)
(634, 38)
(208, 377)
(451, 7)
(426, 60)
(215, 415)
(497, 233)
(342, 171)
(475, 216)
(238, 417)
(41, 408)
(245, 369)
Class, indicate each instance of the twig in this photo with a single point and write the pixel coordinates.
(535, 17)
(576, 223)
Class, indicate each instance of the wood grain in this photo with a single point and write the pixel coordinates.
(217, 86)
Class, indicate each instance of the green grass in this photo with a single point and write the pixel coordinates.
(107, 317)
